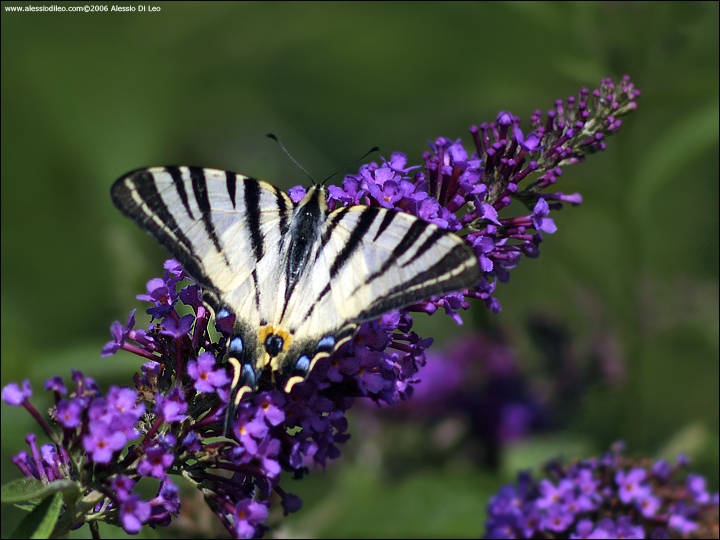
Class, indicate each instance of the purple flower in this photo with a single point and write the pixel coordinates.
(297, 193)
(155, 463)
(661, 470)
(627, 529)
(103, 441)
(119, 333)
(270, 407)
(398, 162)
(249, 429)
(52, 461)
(177, 328)
(165, 505)
(531, 143)
(530, 520)
(543, 223)
(206, 379)
(12, 394)
(192, 442)
(586, 482)
(127, 425)
(557, 518)
(168, 496)
(173, 406)
(55, 384)
(248, 516)
(552, 494)
(648, 504)
(267, 456)
(125, 401)
(69, 413)
(680, 522)
(122, 485)
(630, 485)
(192, 296)
(162, 294)
(134, 513)
(696, 485)
(605, 529)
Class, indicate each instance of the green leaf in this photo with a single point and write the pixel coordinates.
(40, 523)
(28, 489)
(20, 490)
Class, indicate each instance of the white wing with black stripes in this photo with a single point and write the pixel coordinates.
(298, 278)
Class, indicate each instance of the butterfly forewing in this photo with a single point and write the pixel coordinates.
(215, 223)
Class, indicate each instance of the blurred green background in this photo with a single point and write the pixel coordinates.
(87, 97)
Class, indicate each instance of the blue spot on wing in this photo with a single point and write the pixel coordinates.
(302, 364)
(236, 344)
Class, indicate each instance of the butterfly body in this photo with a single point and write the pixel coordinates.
(298, 278)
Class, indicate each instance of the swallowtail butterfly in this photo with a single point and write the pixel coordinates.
(298, 278)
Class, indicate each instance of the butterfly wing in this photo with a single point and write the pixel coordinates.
(225, 229)
(228, 232)
(369, 261)
(217, 224)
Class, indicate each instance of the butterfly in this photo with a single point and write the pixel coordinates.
(298, 278)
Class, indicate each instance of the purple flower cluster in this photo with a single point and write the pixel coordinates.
(173, 415)
(456, 189)
(479, 384)
(609, 497)
(91, 450)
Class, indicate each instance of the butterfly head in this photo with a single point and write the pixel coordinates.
(314, 202)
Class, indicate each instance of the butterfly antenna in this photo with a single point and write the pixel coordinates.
(366, 154)
(274, 137)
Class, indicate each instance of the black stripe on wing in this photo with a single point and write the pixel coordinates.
(256, 287)
(252, 209)
(136, 195)
(411, 236)
(319, 299)
(354, 241)
(436, 235)
(179, 184)
(332, 225)
(199, 184)
(231, 186)
(387, 220)
(457, 270)
(282, 214)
